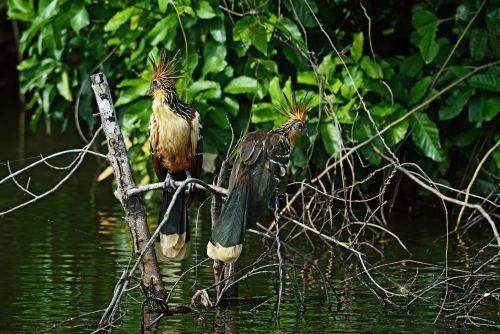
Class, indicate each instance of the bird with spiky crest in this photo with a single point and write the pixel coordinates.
(260, 163)
(174, 132)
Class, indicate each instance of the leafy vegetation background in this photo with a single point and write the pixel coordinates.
(238, 57)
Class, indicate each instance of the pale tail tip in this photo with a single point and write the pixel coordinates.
(224, 254)
(173, 247)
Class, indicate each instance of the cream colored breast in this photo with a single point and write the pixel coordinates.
(174, 132)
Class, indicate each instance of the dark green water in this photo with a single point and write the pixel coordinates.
(62, 256)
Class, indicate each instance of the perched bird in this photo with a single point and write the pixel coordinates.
(260, 163)
(174, 131)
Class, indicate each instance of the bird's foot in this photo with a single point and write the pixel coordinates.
(190, 186)
(169, 182)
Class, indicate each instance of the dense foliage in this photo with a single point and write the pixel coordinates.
(237, 60)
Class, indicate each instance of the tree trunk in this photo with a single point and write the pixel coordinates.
(135, 212)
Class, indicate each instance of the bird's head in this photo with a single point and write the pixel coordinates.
(164, 75)
(296, 112)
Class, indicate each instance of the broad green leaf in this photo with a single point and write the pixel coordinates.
(467, 137)
(289, 28)
(241, 85)
(164, 29)
(258, 37)
(205, 89)
(418, 91)
(488, 81)
(424, 20)
(307, 78)
(63, 87)
(218, 30)
(214, 58)
(263, 112)
(120, 18)
(135, 88)
(327, 66)
(80, 20)
(205, 11)
(412, 65)
(162, 4)
(345, 114)
(275, 91)
(397, 133)
(491, 108)
(372, 69)
(384, 109)
(493, 21)
(454, 104)
(428, 46)
(232, 105)
(478, 43)
(426, 136)
(332, 138)
(22, 10)
(426, 24)
(476, 106)
(357, 46)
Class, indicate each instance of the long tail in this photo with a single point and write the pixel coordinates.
(174, 235)
(228, 234)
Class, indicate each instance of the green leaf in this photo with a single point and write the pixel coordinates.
(63, 87)
(493, 21)
(332, 138)
(412, 65)
(214, 58)
(488, 81)
(307, 78)
(454, 104)
(345, 114)
(384, 109)
(164, 28)
(426, 24)
(357, 46)
(476, 107)
(258, 37)
(135, 88)
(162, 4)
(80, 20)
(418, 91)
(231, 105)
(205, 11)
(426, 136)
(372, 69)
(120, 18)
(424, 20)
(478, 44)
(218, 30)
(263, 112)
(491, 108)
(22, 10)
(241, 85)
(205, 89)
(397, 133)
(467, 137)
(428, 46)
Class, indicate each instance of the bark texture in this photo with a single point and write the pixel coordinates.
(135, 212)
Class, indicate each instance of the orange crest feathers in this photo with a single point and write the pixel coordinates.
(295, 109)
(165, 69)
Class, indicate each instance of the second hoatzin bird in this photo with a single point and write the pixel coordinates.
(261, 161)
(174, 134)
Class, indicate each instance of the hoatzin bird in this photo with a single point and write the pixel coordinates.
(260, 163)
(174, 131)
